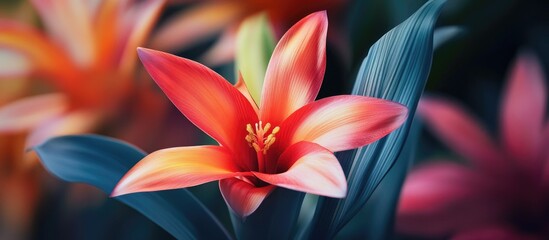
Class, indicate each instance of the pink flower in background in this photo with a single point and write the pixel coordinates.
(286, 139)
(503, 190)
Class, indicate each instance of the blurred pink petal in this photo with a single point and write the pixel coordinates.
(223, 50)
(29, 112)
(460, 131)
(70, 24)
(523, 112)
(441, 198)
(72, 122)
(500, 232)
(196, 24)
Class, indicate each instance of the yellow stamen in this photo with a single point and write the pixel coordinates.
(258, 139)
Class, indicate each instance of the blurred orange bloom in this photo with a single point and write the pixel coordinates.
(205, 19)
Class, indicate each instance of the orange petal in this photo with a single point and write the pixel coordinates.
(178, 167)
(191, 26)
(296, 69)
(74, 122)
(136, 25)
(310, 168)
(523, 111)
(70, 24)
(29, 112)
(343, 122)
(243, 198)
(460, 131)
(44, 57)
(205, 98)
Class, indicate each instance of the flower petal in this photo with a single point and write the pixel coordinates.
(442, 198)
(178, 167)
(73, 122)
(205, 98)
(522, 126)
(342, 122)
(310, 168)
(191, 26)
(243, 198)
(70, 24)
(29, 112)
(460, 131)
(136, 25)
(296, 69)
(495, 231)
(223, 51)
(36, 50)
(13, 64)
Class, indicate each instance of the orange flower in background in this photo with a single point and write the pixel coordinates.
(504, 192)
(207, 18)
(284, 139)
(87, 52)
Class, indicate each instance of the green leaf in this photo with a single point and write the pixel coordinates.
(275, 218)
(101, 162)
(396, 68)
(254, 45)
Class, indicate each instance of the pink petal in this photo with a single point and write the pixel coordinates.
(342, 122)
(13, 65)
(310, 168)
(191, 26)
(42, 56)
(73, 122)
(460, 131)
(29, 112)
(296, 69)
(70, 24)
(441, 198)
(223, 51)
(205, 98)
(136, 25)
(178, 167)
(500, 232)
(523, 111)
(243, 198)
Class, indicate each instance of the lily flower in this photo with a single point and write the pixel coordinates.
(503, 192)
(206, 19)
(285, 140)
(86, 53)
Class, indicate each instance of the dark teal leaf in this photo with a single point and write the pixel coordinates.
(101, 162)
(396, 68)
(275, 218)
(375, 220)
(445, 34)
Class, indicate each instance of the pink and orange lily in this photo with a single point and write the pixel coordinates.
(284, 139)
(504, 193)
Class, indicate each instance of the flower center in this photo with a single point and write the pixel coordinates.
(258, 138)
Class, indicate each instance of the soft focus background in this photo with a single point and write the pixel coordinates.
(471, 68)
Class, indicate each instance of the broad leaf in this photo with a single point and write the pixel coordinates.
(396, 68)
(101, 162)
